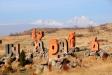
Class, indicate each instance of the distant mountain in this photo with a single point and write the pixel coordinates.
(8, 29)
(105, 27)
(81, 21)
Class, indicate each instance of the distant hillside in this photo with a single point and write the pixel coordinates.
(105, 27)
(46, 30)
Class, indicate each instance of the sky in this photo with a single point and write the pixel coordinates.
(18, 12)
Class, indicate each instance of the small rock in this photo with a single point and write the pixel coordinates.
(22, 69)
(87, 53)
(77, 49)
(103, 54)
(93, 53)
(73, 64)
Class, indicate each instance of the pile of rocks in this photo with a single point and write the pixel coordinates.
(100, 53)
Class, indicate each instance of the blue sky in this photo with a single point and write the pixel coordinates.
(25, 11)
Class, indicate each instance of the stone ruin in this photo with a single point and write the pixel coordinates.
(95, 49)
(59, 52)
(12, 50)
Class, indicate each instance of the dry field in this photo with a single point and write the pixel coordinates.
(83, 37)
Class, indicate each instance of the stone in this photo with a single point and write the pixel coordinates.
(73, 64)
(46, 53)
(34, 34)
(53, 48)
(22, 69)
(35, 54)
(87, 53)
(40, 45)
(40, 34)
(103, 54)
(94, 45)
(92, 53)
(63, 45)
(16, 51)
(8, 50)
(29, 58)
(37, 36)
(71, 40)
(77, 49)
(71, 51)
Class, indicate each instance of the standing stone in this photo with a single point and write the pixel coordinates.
(53, 48)
(16, 50)
(63, 45)
(71, 40)
(8, 49)
(94, 45)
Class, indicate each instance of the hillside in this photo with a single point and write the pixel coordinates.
(83, 37)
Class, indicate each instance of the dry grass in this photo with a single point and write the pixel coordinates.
(83, 37)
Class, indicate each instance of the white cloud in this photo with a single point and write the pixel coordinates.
(81, 21)
(48, 23)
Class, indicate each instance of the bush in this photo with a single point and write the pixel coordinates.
(22, 58)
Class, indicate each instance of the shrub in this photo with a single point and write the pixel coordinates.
(22, 58)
